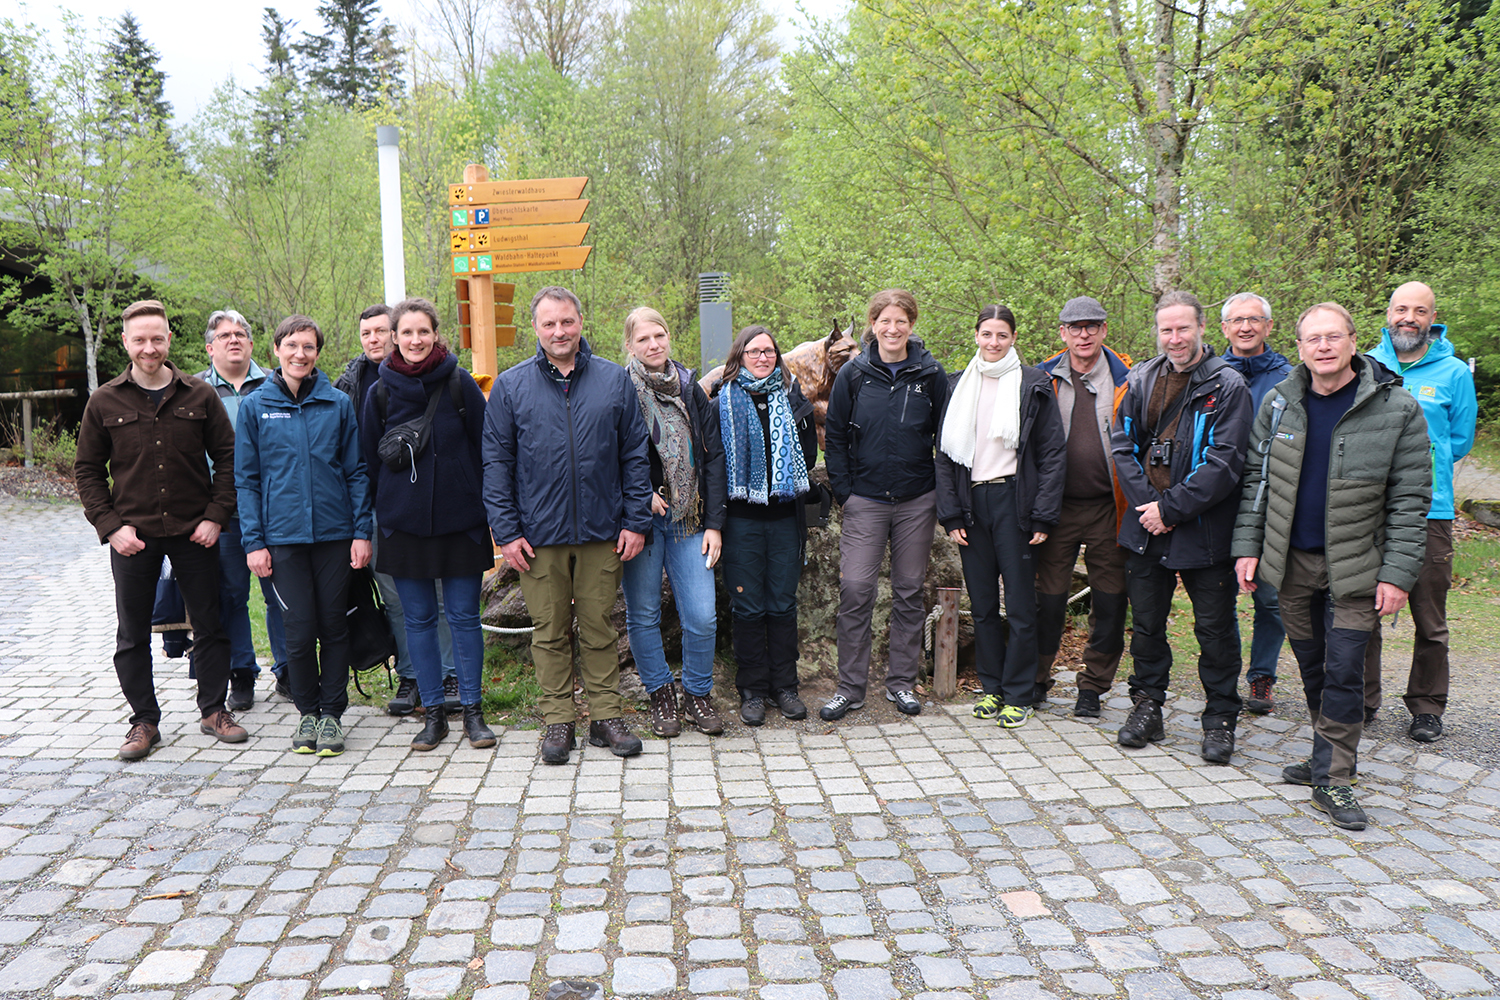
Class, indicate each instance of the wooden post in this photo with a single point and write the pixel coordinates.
(945, 644)
(26, 431)
(482, 301)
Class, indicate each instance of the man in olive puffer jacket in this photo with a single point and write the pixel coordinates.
(1333, 514)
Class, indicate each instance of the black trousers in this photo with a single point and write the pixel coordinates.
(1212, 589)
(197, 571)
(998, 549)
(310, 583)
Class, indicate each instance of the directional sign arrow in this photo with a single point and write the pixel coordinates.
(541, 259)
(490, 192)
(517, 237)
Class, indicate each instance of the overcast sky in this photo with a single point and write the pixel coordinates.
(199, 52)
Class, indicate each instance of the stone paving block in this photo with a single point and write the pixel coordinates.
(89, 980)
(504, 966)
(1453, 978)
(279, 989)
(261, 929)
(721, 980)
(298, 960)
(942, 973)
(358, 977)
(33, 969)
(716, 950)
(433, 984)
(1383, 988)
(635, 976)
(165, 968)
(239, 965)
(443, 949)
(863, 984)
(203, 932)
(1123, 952)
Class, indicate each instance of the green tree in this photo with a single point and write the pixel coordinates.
(132, 69)
(280, 104)
(357, 59)
(97, 205)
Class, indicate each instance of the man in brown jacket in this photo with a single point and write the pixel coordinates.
(152, 430)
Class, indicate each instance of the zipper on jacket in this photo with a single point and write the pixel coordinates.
(572, 463)
(905, 398)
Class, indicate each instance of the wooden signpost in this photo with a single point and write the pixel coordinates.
(508, 227)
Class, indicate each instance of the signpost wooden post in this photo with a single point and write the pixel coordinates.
(945, 660)
(508, 227)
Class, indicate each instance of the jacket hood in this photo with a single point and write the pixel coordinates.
(1265, 361)
(273, 391)
(1119, 365)
(1437, 350)
(916, 352)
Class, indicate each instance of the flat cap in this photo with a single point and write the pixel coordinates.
(1082, 310)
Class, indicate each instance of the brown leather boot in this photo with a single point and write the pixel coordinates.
(222, 727)
(664, 720)
(700, 711)
(557, 743)
(139, 741)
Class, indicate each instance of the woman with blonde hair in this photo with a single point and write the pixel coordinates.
(687, 508)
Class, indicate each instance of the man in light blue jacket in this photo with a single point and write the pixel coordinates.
(1415, 346)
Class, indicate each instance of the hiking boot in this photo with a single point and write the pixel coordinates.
(434, 728)
(222, 727)
(305, 739)
(451, 704)
(139, 741)
(407, 698)
(613, 733)
(1218, 745)
(1426, 728)
(1087, 705)
(1015, 716)
(1370, 715)
(1301, 773)
(837, 707)
(283, 689)
(752, 709)
(905, 701)
(1342, 807)
(1260, 701)
(664, 720)
(791, 706)
(1143, 725)
(557, 743)
(699, 710)
(479, 734)
(241, 691)
(330, 736)
(987, 707)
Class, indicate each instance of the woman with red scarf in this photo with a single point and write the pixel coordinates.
(431, 517)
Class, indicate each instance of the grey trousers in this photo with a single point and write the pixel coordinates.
(867, 529)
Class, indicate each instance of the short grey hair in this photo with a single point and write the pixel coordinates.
(558, 294)
(219, 316)
(1241, 297)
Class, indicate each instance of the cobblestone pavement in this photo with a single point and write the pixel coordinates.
(934, 857)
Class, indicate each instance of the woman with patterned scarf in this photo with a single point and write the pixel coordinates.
(687, 507)
(1001, 461)
(770, 441)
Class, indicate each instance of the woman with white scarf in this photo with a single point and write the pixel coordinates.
(1002, 457)
(687, 508)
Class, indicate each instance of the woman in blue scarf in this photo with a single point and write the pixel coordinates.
(770, 441)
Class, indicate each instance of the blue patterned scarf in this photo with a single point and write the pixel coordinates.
(745, 441)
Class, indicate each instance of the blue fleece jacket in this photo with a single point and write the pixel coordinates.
(1260, 372)
(1444, 386)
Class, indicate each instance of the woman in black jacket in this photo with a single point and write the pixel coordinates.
(687, 507)
(431, 513)
(770, 441)
(883, 418)
(1002, 456)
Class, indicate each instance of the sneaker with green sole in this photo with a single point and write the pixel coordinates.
(330, 737)
(987, 707)
(305, 739)
(1015, 716)
(1342, 807)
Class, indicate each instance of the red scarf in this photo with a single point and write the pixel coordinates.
(427, 364)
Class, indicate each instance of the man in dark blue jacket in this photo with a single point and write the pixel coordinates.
(1179, 448)
(567, 484)
(1246, 322)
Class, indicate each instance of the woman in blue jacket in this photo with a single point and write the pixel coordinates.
(431, 513)
(304, 505)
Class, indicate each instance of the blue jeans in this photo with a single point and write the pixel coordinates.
(396, 615)
(420, 600)
(1265, 640)
(234, 600)
(693, 587)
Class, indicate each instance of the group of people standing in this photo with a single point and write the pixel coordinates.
(1323, 489)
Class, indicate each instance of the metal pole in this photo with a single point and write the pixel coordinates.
(387, 142)
(26, 430)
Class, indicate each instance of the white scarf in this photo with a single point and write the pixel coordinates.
(963, 417)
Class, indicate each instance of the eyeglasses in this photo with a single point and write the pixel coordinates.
(232, 335)
(1331, 339)
(760, 352)
(1076, 328)
(1242, 320)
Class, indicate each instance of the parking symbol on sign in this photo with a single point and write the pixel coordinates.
(481, 217)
